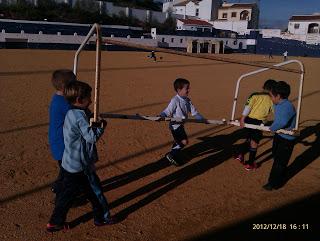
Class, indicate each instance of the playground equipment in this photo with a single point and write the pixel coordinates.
(96, 29)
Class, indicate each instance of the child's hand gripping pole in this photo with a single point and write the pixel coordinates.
(102, 123)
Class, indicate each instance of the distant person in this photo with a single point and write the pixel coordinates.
(153, 56)
(78, 161)
(256, 110)
(282, 147)
(57, 112)
(179, 107)
(285, 55)
(270, 54)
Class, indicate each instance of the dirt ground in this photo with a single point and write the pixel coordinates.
(211, 197)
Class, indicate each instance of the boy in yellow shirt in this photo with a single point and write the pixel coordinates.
(257, 108)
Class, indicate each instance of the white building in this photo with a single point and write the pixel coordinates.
(237, 17)
(305, 28)
(202, 9)
(194, 25)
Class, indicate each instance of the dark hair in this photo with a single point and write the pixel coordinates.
(76, 89)
(61, 77)
(179, 83)
(282, 89)
(269, 84)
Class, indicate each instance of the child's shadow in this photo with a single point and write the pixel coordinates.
(210, 145)
(308, 156)
(218, 148)
(305, 158)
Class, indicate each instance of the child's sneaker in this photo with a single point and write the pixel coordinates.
(250, 167)
(56, 227)
(240, 158)
(169, 156)
(99, 223)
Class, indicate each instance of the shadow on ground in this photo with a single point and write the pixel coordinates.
(301, 219)
(217, 149)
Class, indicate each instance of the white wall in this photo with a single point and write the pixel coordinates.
(303, 26)
(174, 41)
(191, 9)
(299, 37)
(180, 10)
(269, 33)
(229, 12)
(301, 33)
(240, 27)
(43, 38)
(67, 39)
(205, 9)
(208, 9)
(146, 42)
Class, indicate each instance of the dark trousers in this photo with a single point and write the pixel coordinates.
(179, 135)
(281, 151)
(251, 135)
(58, 182)
(74, 184)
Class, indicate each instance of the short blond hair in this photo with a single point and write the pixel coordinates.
(76, 89)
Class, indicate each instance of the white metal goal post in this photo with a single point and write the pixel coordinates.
(98, 38)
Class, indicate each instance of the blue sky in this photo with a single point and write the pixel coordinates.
(276, 13)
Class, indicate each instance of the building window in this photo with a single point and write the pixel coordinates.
(234, 14)
(313, 28)
(296, 25)
(197, 12)
(181, 41)
(244, 15)
(172, 40)
(224, 15)
(163, 40)
(227, 42)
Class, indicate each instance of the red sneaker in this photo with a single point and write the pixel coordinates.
(57, 227)
(250, 167)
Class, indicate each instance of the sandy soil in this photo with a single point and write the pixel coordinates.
(211, 197)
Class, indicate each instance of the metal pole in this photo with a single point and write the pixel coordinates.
(95, 27)
(76, 56)
(97, 76)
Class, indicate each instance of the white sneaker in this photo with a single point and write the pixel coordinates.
(171, 160)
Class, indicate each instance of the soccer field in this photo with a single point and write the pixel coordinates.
(210, 194)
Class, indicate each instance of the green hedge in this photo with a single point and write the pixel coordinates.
(61, 12)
